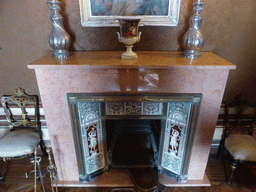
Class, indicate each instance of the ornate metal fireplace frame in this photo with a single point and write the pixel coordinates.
(178, 111)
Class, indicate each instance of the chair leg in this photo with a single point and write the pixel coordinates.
(221, 150)
(43, 148)
(233, 168)
(4, 170)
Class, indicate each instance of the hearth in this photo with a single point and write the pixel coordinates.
(134, 130)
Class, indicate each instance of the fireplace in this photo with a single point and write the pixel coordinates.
(96, 75)
(135, 130)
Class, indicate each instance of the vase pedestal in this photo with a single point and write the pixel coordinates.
(129, 54)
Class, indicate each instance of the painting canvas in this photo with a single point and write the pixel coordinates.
(152, 12)
(129, 7)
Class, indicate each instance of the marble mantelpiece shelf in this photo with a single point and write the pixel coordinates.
(146, 59)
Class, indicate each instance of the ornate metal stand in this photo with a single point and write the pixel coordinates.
(193, 41)
(38, 173)
(53, 171)
(59, 39)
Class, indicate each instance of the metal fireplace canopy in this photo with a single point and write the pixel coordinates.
(178, 113)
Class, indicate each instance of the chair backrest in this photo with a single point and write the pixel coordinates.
(16, 113)
(240, 117)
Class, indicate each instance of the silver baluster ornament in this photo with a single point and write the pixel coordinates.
(193, 41)
(59, 39)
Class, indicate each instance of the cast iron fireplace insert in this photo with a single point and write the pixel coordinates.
(133, 130)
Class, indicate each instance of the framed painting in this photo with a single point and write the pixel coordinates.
(103, 13)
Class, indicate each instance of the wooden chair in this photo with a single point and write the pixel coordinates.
(24, 134)
(238, 143)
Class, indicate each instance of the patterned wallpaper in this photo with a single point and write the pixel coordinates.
(228, 27)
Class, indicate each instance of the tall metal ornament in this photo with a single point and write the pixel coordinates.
(59, 39)
(193, 41)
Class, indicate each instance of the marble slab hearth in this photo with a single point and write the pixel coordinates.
(105, 72)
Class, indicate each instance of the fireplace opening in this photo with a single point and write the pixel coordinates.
(133, 142)
(129, 131)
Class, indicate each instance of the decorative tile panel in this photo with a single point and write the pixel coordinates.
(174, 141)
(91, 129)
(91, 136)
(88, 111)
(115, 108)
(171, 162)
(94, 163)
(179, 111)
(175, 135)
(150, 108)
(134, 108)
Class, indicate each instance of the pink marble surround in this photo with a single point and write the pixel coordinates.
(105, 72)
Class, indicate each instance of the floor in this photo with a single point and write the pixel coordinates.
(244, 179)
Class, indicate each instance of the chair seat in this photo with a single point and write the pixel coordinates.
(18, 142)
(241, 147)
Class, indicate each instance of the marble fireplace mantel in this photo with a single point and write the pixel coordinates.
(105, 72)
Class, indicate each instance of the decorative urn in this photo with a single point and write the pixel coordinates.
(129, 34)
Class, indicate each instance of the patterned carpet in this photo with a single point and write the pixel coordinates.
(244, 179)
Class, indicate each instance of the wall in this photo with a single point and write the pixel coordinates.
(228, 27)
